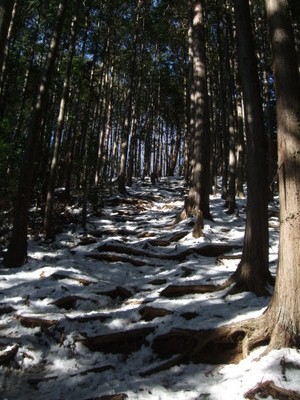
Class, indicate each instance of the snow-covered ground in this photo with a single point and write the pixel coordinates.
(63, 296)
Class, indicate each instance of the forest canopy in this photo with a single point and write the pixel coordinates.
(127, 70)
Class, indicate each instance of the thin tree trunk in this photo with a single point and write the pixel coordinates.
(6, 12)
(240, 158)
(231, 124)
(223, 135)
(175, 152)
(108, 131)
(48, 225)
(7, 16)
(130, 104)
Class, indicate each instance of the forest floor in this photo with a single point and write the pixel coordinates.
(99, 313)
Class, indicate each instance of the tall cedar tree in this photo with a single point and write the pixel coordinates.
(253, 273)
(197, 202)
(16, 254)
(284, 310)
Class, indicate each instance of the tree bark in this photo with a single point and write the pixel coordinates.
(284, 310)
(198, 198)
(253, 271)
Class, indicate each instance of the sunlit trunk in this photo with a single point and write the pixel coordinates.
(284, 310)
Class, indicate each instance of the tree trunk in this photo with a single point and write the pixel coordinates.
(175, 152)
(7, 16)
(6, 10)
(295, 11)
(230, 106)
(48, 225)
(127, 128)
(284, 310)
(197, 202)
(16, 255)
(240, 150)
(253, 271)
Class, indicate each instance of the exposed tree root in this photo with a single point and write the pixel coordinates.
(228, 257)
(35, 380)
(182, 290)
(227, 344)
(87, 241)
(158, 242)
(177, 236)
(99, 233)
(89, 318)
(8, 354)
(235, 283)
(119, 396)
(208, 250)
(119, 292)
(33, 322)
(244, 280)
(67, 302)
(83, 281)
(117, 258)
(158, 282)
(6, 309)
(124, 342)
(268, 388)
(149, 313)
(189, 315)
